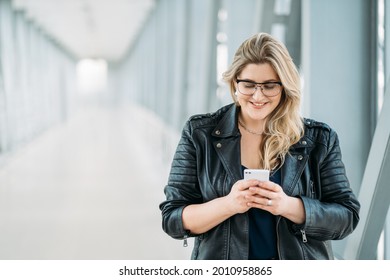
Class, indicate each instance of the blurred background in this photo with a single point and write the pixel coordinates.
(94, 93)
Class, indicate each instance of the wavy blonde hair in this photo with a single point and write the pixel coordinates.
(284, 126)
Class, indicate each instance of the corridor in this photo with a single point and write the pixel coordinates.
(93, 100)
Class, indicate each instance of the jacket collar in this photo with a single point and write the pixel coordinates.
(227, 126)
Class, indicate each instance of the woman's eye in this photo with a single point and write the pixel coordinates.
(269, 86)
(249, 85)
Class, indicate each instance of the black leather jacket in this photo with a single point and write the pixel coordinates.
(207, 164)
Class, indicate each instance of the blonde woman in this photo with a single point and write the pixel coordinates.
(306, 203)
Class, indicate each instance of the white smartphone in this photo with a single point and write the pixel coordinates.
(259, 174)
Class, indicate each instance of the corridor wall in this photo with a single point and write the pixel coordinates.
(37, 79)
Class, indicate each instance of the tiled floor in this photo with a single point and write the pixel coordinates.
(87, 189)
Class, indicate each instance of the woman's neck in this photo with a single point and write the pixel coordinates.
(250, 125)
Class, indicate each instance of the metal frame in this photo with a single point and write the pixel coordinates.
(374, 193)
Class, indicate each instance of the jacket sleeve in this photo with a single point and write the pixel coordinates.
(182, 188)
(335, 214)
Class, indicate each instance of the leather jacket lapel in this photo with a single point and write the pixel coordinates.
(228, 150)
(292, 170)
(227, 143)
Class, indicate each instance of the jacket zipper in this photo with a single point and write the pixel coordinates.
(304, 239)
(312, 188)
(224, 193)
(277, 238)
(185, 243)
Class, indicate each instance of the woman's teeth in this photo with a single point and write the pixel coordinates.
(258, 104)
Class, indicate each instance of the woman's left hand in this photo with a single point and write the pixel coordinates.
(270, 197)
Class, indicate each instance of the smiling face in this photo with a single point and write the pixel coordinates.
(255, 109)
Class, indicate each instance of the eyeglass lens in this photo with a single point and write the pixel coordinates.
(249, 88)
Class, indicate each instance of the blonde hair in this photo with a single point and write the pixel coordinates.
(284, 127)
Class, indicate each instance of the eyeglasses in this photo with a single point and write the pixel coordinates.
(269, 89)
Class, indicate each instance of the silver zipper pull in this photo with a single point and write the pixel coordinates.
(304, 239)
(185, 243)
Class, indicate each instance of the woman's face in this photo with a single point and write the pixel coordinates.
(258, 107)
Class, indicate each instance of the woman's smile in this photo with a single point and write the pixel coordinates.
(258, 105)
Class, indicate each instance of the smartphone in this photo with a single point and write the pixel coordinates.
(259, 174)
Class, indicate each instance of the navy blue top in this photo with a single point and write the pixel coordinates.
(262, 230)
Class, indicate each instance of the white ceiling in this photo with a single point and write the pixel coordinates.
(90, 28)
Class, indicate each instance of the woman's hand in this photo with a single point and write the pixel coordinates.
(199, 218)
(237, 199)
(270, 197)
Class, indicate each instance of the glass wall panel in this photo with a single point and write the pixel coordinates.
(37, 79)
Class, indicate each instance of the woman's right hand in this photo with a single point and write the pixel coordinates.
(237, 199)
(199, 218)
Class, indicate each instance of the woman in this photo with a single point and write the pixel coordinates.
(306, 203)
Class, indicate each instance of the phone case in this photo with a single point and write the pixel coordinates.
(259, 174)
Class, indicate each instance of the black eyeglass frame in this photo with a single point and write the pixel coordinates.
(258, 84)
